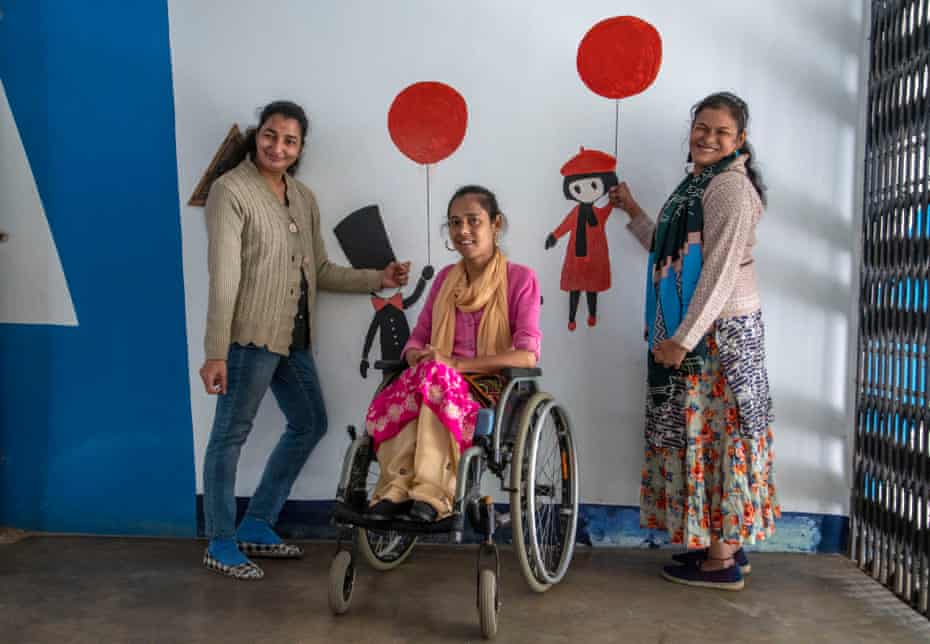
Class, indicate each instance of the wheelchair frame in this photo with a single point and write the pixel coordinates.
(520, 420)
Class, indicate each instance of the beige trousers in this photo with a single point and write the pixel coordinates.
(419, 463)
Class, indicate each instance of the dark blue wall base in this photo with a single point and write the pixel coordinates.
(618, 525)
(599, 526)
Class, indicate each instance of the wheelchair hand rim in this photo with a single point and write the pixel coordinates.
(568, 544)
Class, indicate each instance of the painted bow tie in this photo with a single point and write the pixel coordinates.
(396, 301)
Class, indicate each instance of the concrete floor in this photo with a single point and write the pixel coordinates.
(71, 589)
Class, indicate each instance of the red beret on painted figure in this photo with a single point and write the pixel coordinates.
(589, 162)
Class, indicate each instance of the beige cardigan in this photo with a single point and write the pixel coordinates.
(257, 247)
(727, 285)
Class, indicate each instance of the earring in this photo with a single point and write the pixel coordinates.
(451, 249)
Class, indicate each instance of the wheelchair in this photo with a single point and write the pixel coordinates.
(526, 442)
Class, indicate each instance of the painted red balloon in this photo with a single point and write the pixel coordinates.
(427, 121)
(620, 57)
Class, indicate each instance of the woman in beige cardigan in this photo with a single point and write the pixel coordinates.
(266, 261)
(707, 477)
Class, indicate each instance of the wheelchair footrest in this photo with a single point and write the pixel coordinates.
(346, 515)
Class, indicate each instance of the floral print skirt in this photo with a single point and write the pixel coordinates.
(720, 485)
(454, 397)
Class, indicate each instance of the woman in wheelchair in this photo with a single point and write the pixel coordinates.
(481, 316)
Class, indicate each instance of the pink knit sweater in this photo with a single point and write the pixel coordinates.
(727, 285)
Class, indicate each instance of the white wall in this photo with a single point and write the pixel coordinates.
(33, 289)
(798, 65)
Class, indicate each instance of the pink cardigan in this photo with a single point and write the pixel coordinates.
(523, 302)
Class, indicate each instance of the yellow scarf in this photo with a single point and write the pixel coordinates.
(489, 292)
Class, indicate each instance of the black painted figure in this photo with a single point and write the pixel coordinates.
(391, 321)
(366, 245)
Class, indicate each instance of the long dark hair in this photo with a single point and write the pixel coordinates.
(739, 110)
(287, 109)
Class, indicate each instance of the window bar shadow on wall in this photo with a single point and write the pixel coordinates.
(890, 507)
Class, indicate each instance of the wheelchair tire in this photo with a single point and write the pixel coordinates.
(385, 550)
(341, 582)
(382, 550)
(488, 604)
(544, 533)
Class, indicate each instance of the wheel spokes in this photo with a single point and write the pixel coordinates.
(386, 545)
(548, 507)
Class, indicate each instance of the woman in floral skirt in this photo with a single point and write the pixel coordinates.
(708, 476)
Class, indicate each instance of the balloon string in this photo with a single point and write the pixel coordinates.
(429, 226)
(617, 129)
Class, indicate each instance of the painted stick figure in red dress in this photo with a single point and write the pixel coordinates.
(588, 177)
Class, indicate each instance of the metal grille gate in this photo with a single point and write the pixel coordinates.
(889, 534)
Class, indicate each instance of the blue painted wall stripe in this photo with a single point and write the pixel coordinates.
(95, 423)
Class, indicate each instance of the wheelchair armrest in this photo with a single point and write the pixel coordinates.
(390, 365)
(516, 372)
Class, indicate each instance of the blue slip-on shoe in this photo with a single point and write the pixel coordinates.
(256, 539)
(724, 579)
(271, 550)
(697, 557)
(223, 557)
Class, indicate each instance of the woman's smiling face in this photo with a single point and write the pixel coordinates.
(277, 144)
(470, 227)
(714, 135)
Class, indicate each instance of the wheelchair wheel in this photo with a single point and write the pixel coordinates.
(383, 550)
(341, 582)
(488, 605)
(544, 496)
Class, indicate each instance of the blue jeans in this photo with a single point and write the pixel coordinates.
(294, 382)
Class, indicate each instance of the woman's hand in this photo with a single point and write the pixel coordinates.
(213, 374)
(412, 356)
(395, 275)
(669, 353)
(432, 353)
(621, 197)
